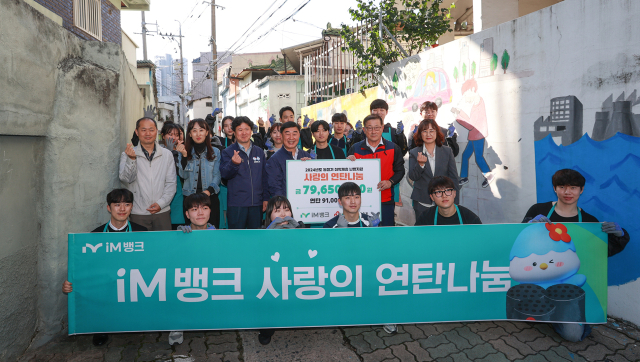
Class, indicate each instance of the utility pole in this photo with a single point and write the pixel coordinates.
(144, 38)
(144, 35)
(214, 56)
(182, 91)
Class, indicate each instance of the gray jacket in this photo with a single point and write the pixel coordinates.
(151, 182)
(421, 176)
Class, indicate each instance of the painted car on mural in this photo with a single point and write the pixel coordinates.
(432, 85)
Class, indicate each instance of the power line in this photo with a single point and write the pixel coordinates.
(249, 28)
(194, 7)
(278, 24)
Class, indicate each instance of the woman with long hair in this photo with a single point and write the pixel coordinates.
(274, 140)
(200, 166)
(226, 137)
(430, 158)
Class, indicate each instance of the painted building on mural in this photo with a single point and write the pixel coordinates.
(541, 85)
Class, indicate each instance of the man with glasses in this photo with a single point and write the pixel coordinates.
(391, 163)
(442, 191)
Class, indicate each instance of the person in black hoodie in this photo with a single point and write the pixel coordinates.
(119, 205)
(568, 185)
(243, 166)
(322, 150)
(343, 136)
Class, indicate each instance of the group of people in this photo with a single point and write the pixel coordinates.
(195, 180)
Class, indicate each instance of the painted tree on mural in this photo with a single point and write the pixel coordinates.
(473, 69)
(455, 74)
(505, 61)
(464, 71)
(395, 80)
(416, 28)
(494, 63)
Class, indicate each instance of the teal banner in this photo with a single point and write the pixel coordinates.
(236, 279)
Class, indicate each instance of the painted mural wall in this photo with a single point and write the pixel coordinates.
(529, 97)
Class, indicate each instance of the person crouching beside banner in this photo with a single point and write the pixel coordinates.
(443, 193)
(279, 216)
(119, 205)
(197, 210)
(568, 186)
(349, 197)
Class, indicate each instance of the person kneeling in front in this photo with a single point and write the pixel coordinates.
(119, 205)
(350, 198)
(568, 185)
(443, 193)
(197, 210)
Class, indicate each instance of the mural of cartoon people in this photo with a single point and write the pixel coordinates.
(471, 114)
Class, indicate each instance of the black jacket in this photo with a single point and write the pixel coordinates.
(616, 243)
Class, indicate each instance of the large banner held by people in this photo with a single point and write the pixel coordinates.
(312, 187)
(236, 279)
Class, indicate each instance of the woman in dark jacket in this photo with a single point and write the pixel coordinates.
(428, 159)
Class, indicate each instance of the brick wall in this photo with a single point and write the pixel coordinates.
(111, 30)
(110, 19)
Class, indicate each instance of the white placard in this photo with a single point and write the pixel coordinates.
(312, 187)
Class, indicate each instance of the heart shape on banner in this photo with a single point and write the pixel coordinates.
(313, 253)
(275, 257)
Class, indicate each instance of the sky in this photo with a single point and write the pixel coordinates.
(231, 23)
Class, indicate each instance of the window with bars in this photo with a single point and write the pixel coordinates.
(87, 15)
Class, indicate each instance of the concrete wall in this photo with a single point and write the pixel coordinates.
(129, 48)
(20, 193)
(66, 108)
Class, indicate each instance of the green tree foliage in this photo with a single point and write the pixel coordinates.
(464, 70)
(455, 73)
(505, 61)
(494, 63)
(416, 28)
(473, 69)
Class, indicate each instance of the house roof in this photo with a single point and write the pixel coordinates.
(145, 64)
